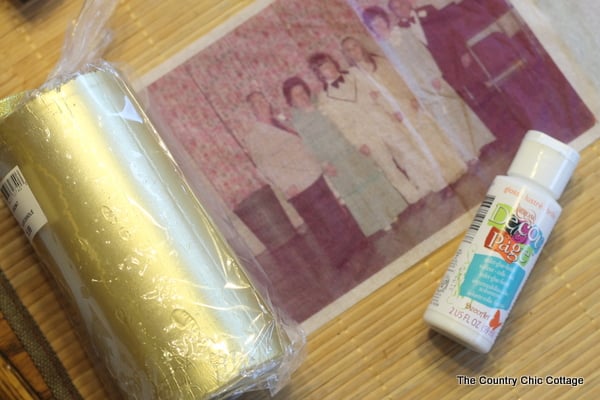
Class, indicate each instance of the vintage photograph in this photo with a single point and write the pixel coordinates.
(341, 135)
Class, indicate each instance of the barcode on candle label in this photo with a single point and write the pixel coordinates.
(22, 203)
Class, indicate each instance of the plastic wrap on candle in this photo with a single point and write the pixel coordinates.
(163, 299)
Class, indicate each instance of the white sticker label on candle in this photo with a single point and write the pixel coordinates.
(22, 203)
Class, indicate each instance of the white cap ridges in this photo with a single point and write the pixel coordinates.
(545, 160)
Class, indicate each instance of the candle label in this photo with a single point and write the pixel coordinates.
(22, 203)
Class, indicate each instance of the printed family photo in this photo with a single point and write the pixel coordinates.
(342, 135)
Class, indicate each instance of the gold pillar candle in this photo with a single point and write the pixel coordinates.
(164, 300)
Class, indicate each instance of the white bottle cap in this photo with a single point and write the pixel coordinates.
(545, 160)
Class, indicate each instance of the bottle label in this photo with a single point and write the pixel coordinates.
(494, 260)
(22, 203)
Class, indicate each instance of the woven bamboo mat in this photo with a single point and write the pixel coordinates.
(379, 349)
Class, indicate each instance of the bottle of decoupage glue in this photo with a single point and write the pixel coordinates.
(502, 244)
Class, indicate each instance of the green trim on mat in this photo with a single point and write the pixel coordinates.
(35, 343)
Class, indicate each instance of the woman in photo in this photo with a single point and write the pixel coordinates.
(280, 155)
(355, 177)
(351, 103)
(400, 100)
(412, 57)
